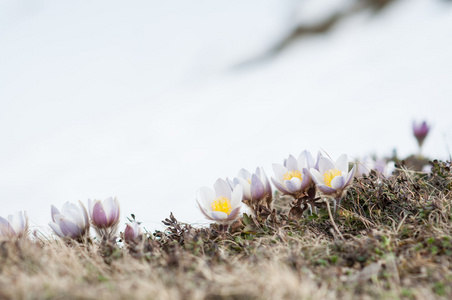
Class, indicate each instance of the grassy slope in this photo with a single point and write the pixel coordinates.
(397, 244)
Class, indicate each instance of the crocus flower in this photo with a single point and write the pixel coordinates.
(256, 187)
(420, 131)
(384, 168)
(221, 204)
(293, 177)
(333, 178)
(380, 165)
(72, 222)
(104, 215)
(133, 233)
(15, 226)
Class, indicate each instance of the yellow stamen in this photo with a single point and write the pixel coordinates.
(291, 174)
(222, 204)
(249, 181)
(329, 175)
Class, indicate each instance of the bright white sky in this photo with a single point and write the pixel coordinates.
(141, 100)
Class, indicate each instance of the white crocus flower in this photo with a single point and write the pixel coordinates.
(333, 178)
(380, 165)
(293, 177)
(221, 204)
(105, 216)
(15, 226)
(72, 222)
(133, 233)
(256, 187)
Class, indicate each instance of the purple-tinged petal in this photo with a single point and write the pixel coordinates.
(219, 215)
(222, 189)
(234, 213)
(306, 179)
(99, 217)
(246, 187)
(69, 229)
(293, 185)
(261, 174)
(280, 187)
(326, 189)
(230, 182)
(204, 211)
(257, 188)
(350, 176)
(337, 182)
(316, 176)
(6, 229)
(316, 166)
(56, 229)
(54, 211)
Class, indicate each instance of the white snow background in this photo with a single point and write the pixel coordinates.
(142, 100)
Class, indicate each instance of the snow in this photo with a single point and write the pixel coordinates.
(142, 100)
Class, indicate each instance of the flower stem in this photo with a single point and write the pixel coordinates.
(332, 220)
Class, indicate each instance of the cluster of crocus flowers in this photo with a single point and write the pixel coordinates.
(71, 223)
(222, 204)
(420, 132)
(14, 226)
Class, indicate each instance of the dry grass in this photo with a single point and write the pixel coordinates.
(398, 244)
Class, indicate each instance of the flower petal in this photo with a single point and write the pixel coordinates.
(222, 188)
(205, 212)
(234, 213)
(54, 211)
(306, 179)
(5, 228)
(316, 176)
(246, 187)
(292, 163)
(280, 187)
(237, 196)
(342, 163)
(69, 229)
(219, 215)
(99, 217)
(350, 176)
(338, 182)
(326, 189)
(325, 164)
(293, 185)
(245, 174)
(279, 171)
(257, 188)
(56, 229)
(206, 196)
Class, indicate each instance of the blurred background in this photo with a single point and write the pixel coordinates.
(150, 100)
